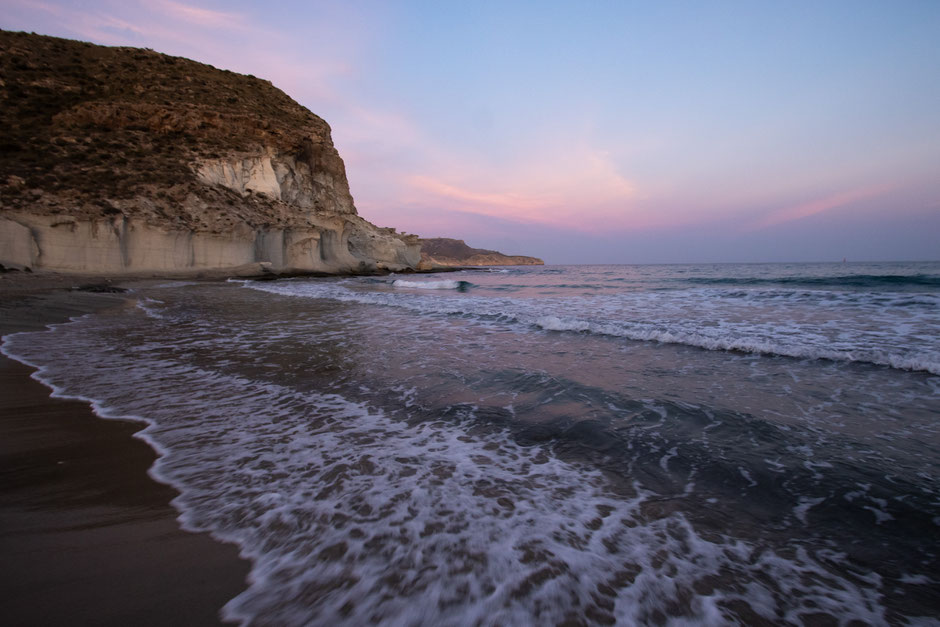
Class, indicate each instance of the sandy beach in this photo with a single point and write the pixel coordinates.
(87, 537)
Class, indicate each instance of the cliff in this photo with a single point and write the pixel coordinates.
(123, 160)
(442, 251)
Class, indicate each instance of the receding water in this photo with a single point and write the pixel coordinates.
(598, 444)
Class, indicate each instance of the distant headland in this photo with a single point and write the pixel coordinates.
(442, 251)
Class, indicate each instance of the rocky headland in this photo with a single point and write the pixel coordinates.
(442, 251)
(124, 161)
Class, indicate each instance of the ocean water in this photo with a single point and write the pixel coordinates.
(753, 444)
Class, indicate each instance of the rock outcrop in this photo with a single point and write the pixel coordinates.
(120, 245)
(442, 251)
(122, 160)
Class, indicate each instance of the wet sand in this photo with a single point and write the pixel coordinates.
(86, 536)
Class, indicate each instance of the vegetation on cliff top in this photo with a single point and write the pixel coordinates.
(85, 125)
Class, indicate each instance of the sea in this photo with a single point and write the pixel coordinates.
(720, 444)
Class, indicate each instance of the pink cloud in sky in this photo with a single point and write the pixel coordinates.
(512, 203)
(204, 17)
(571, 186)
(819, 205)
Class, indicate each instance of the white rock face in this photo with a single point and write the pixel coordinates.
(281, 177)
(335, 244)
(255, 174)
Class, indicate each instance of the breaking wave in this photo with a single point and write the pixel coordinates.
(433, 285)
(929, 364)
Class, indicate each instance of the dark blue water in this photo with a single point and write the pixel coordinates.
(596, 444)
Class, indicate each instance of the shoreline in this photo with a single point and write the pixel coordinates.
(88, 537)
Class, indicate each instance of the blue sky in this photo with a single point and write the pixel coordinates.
(598, 132)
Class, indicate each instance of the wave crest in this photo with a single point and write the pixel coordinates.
(432, 285)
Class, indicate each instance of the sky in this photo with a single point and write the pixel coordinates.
(595, 132)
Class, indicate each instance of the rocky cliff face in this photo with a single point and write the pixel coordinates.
(121, 160)
(442, 251)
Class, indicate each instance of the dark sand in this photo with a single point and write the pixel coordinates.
(86, 536)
